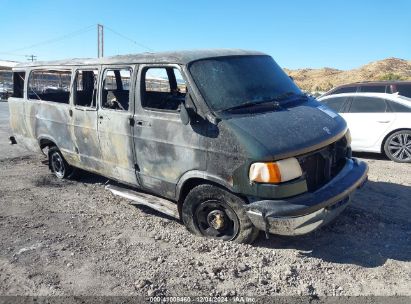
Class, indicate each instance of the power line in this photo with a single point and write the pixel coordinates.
(129, 39)
(69, 35)
(12, 54)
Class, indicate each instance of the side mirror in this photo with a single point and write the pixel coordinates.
(184, 116)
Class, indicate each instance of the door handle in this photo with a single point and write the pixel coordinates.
(383, 121)
(143, 123)
(101, 117)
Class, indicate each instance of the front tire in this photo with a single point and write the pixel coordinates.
(58, 165)
(212, 212)
(397, 146)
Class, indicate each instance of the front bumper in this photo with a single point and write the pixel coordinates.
(307, 212)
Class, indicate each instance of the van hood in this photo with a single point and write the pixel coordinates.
(288, 132)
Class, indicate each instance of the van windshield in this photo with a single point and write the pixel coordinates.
(232, 82)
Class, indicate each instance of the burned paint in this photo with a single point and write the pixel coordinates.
(152, 149)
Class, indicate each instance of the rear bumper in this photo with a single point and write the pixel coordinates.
(307, 212)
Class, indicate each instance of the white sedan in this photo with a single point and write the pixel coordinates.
(378, 122)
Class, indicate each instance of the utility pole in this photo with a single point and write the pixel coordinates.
(31, 57)
(100, 40)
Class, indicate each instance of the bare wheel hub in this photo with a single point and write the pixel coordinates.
(216, 219)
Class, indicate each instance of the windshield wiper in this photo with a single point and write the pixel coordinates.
(276, 102)
(251, 104)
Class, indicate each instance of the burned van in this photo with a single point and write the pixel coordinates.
(222, 139)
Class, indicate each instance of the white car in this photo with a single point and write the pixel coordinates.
(378, 122)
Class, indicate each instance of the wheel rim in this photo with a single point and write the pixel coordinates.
(217, 220)
(57, 164)
(399, 147)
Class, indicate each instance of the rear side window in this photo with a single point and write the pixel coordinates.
(398, 108)
(18, 84)
(163, 89)
(50, 85)
(373, 89)
(335, 103)
(345, 90)
(85, 88)
(116, 89)
(404, 90)
(362, 104)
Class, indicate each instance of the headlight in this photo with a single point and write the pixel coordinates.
(275, 172)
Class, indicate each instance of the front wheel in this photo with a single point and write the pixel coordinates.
(212, 212)
(58, 165)
(397, 147)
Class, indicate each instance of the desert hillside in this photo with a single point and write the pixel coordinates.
(324, 79)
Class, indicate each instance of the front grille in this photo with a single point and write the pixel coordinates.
(320, 166)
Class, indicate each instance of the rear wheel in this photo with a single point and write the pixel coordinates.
(215, 213)
(58, 165)
(397, 147)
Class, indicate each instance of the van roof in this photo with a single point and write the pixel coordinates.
(179, 57)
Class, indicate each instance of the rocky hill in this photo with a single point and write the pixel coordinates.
(324, 79)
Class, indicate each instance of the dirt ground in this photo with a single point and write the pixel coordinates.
(74, 237)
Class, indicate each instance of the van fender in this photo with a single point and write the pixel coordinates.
(200, 175)
(45, 140)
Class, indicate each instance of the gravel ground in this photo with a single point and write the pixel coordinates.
(75, 238)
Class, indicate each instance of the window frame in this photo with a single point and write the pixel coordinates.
(103, 71)
(49, 68)
(141, 85)
(74, 83)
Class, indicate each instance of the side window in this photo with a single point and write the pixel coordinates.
(373, 89)
(404, 90)
(18, 84)
(85, 88)
(156, 80)
(345, 90)
(397, 107)
(163, 88)
(335, 103)
(362, 104)
(116, 89)
(50, 85)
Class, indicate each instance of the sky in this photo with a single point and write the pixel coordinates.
(297, 34)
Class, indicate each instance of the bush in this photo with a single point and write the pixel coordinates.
(391, 76)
